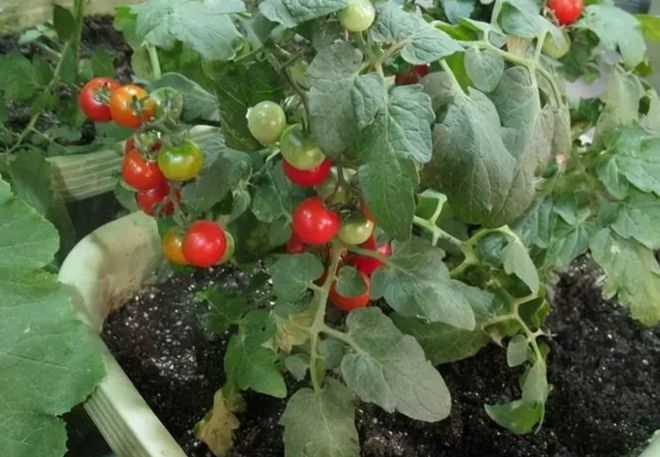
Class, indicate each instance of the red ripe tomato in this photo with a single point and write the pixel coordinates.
(94, 98)
(413, 75)
(566, 11)
(139, 173)
(156, 201)
(366, 264)
(307, 178)
(204, 244)
(295, 245)
(345, 303)
(314, 223)
(131, 106)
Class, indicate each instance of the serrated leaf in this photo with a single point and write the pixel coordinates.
(275, 196)
(621, 98)
(391, 370)
(639, 218)
(249, 365)
(217, 428)
(102, 63)
(485, 68)
(521, 18)
(457, 9)
(421, 42)
(290, 13)
(197, 102)
(163, 23)
(517, 261)
(18, 80)
(417, 284)
(633, 274)
(40, 338)
(321, 424)
(340, 101)
(617, 31)
(225, 308)
(293, 274)
(568, 242)
(517, 351)
(637, 158)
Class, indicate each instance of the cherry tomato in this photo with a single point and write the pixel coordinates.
(299, 149)
(314, 223)
(94, 98)
(204, 244)
(266, 122)
(295, 245)
(156, 201)
(181, 163)
(168, 103)
(556, 46)
(412, 76)
(357, 16)
(346, 303)
(356, 229)
(566, 11)
(130, 106)
(139, 173)
(307, 178)
(172, 245)
(366, 264)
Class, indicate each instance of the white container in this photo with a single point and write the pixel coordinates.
(104, 269)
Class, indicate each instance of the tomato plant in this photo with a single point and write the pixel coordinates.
(182, 162)
(94, 98)
(432, 161)
(140, 173)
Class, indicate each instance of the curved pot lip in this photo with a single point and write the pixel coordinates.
(103, 269)
(99, 273)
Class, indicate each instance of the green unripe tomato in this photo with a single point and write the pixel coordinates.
(356, 229)
(266, 122)
(330, 192)
(169, 103)
(556, 45)
(299, 149)
(357, 16)
(181, 163)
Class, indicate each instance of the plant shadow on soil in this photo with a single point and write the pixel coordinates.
(605, 369)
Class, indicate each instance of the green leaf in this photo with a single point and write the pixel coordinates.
(321, 424)
(275, 196)
(517, 351)
(639, 218)
(210, 33)
(650, 26)
(637, 158)
(471, 163)
(102, 63)
(341, 102)
(485, 68)
(293, 275)
(457, 9)
(63, 22)
(621, 98)
(617, 31)
(249, 365)
(521, 18)
(290, 13)
(225, 308)
(40, 338)
(350, 283)
(633, 274)
(219, 178)
(517, 261)
(32, 182)
(217, 428)
(18, 78)
(568, 242)
(297, 365)
(518, 416)
(416, 283)
(391, 370)
(239, 87)
(421, 42)
(198, 103)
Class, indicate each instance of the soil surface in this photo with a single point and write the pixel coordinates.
(605, 369)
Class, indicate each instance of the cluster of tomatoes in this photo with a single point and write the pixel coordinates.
(332, 213)
(157, 169)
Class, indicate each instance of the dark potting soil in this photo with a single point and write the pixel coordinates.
(605, 369)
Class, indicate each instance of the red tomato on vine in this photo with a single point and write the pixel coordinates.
(314, 223)
(346, 303)
(94, 98)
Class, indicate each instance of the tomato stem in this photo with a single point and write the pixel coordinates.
(154, 61)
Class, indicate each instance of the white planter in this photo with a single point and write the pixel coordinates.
(103, 270)
(100, 272)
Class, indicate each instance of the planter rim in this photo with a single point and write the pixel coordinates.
(102, 270)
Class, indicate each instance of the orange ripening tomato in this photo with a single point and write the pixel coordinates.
(131, 106)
